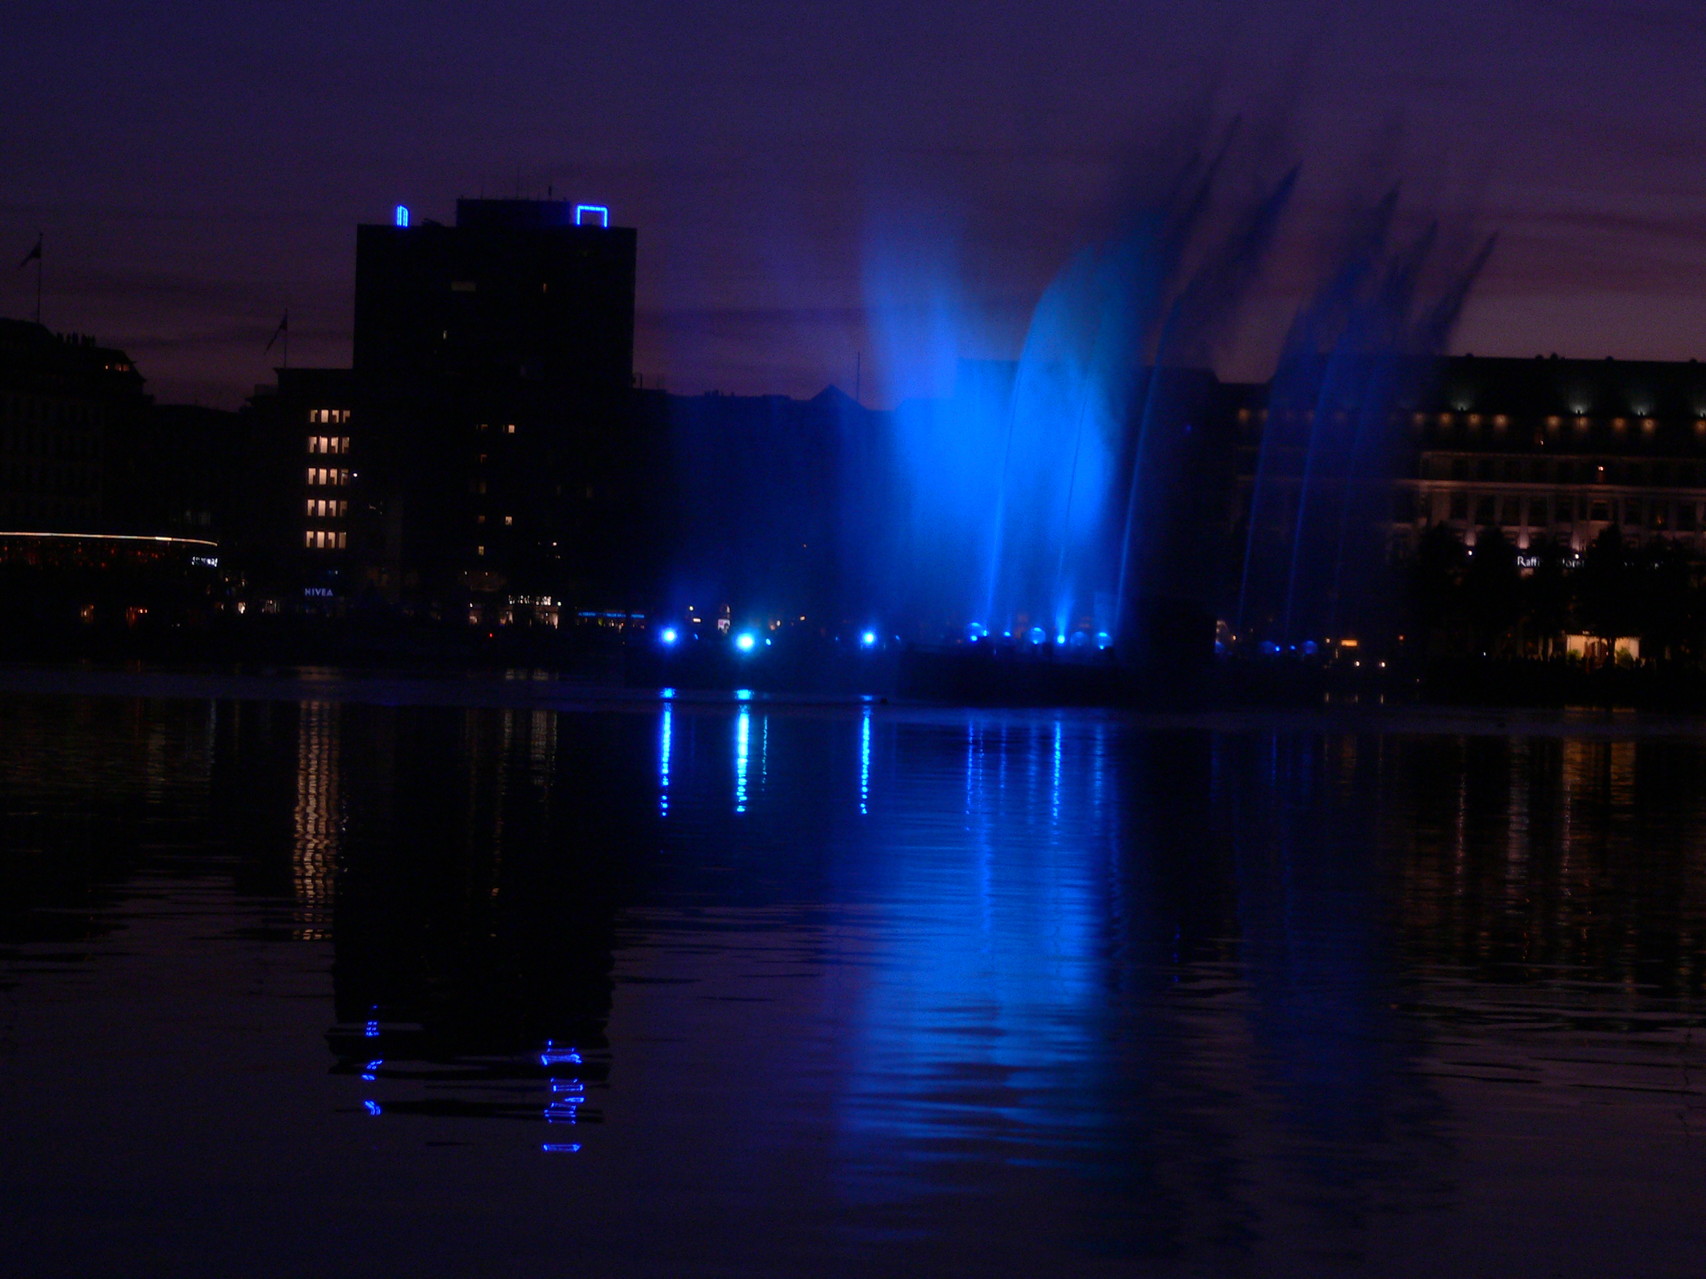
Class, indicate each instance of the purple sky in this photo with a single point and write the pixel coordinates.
(196, 168)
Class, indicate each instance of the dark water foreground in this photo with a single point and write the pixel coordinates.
(350, 983)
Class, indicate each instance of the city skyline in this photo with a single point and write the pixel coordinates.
(813, 194)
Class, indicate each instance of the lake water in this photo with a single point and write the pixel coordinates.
(341, 977)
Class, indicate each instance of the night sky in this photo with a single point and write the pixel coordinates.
(198, 168)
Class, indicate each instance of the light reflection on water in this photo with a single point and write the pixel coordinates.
(865, 987)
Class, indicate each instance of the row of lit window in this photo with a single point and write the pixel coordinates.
(1581, 421)
(1509, 511)
(327, 508)
(327, 475)
(328, 444)
(1568, 470)
(508, 427)
(328, 417)
(319, 539)
(508, 520)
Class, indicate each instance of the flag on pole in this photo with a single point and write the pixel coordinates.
(282, 331)
(34, 255)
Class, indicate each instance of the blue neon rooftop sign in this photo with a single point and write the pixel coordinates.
(583, 211)
(402, 215)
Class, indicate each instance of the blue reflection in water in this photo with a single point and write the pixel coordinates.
(1054, 786)
(567, 1091)
(373, 1108)
(743, 733)
(983, 1020)
(663, 761)
(371, 1071)
(865, 763)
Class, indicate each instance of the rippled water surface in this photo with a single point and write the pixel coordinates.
(657, 987)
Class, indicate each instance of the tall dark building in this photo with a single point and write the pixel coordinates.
(493, 365)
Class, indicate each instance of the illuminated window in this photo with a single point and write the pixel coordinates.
(510, 429)
(479, 550)
(508, 520)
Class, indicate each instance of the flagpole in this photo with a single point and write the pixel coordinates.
(38, 276)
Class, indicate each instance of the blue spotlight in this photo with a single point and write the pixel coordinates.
(869, 639)
(669, 635)
(745, 641)
(1104, 640)
(976, 631)
(1036, 635)
(1060, 639)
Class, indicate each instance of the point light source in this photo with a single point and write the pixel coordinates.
(745, 641)
(669, 635)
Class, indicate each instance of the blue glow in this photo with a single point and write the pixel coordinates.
(372, 1031)
(1309, 647)
(401, 215)
(561, 1147)
(869, 639)
(1036, 635)
(976, 631)
(666, 693)
(369, 1073)
(554, 1056)
(745, 641)
(669, 635)
(373, 1108)
(603, 211)
(743, 694)
(1104, 640)
(1060, 639)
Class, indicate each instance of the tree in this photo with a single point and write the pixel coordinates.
(1492, 585)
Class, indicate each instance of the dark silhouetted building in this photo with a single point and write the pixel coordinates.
(493, 365)
(67, 408)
